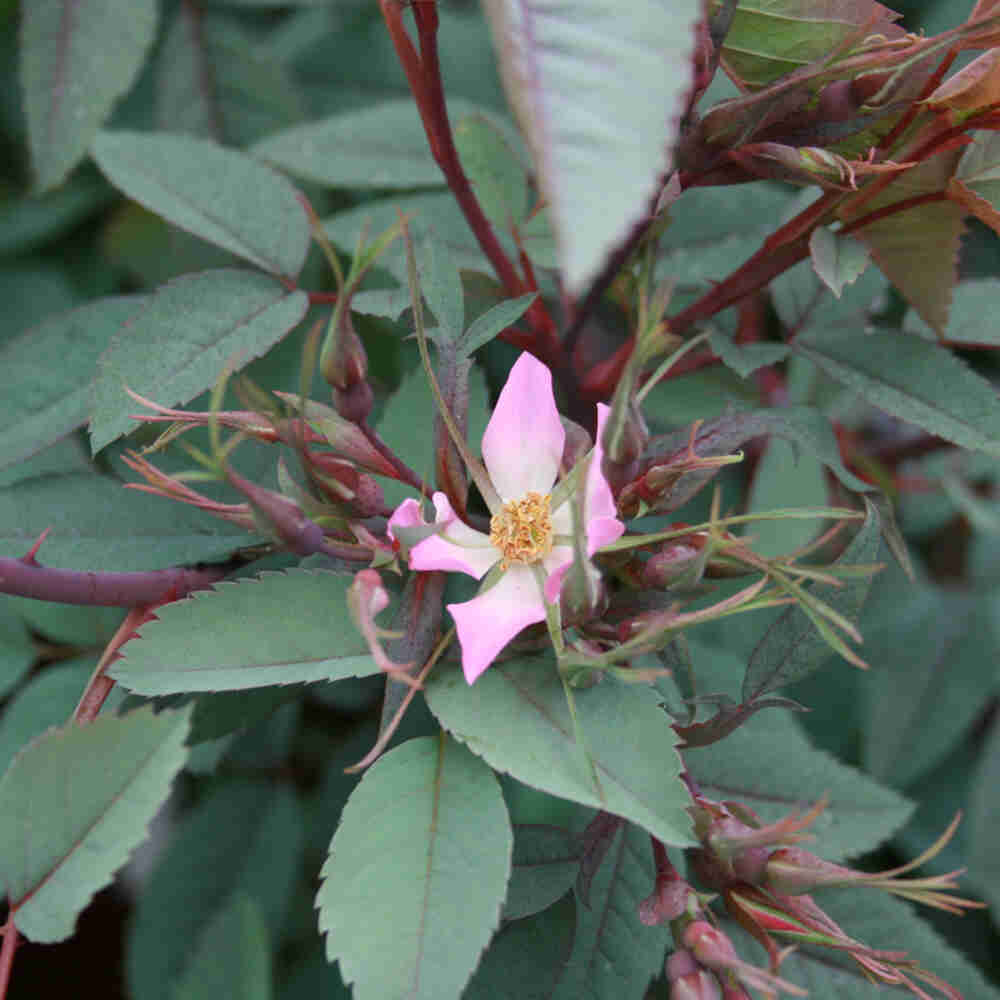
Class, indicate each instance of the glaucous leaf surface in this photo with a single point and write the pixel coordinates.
(935, 656)
(769, 765)
(44, 401)
(546, 863)
(213, 81)
(526, 957)
(220, 195)
(791, 648)
(280, 628)
(74, 805)
(381, 146)
(17, 651)
(47, 699)
(614, 954)
(984, 815)
(190, 330)
(245, 837)
(517, 718)
(231, 958)
(837, 260)
(970, 320)
(912, 379)
(77, 58)
(95, 521)
(571, 76)
(416, 875)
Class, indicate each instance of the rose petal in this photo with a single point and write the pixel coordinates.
(523, 443)
(458, 548)
(406, 515)
(598, 502)
(488, 622)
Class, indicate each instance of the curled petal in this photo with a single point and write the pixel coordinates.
(598, 502)
(488, 622)
(456, 549)
(523, 443)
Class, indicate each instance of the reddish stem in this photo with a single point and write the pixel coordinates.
(10, 939)
(25, 578)
(897, 206)
(423, 72)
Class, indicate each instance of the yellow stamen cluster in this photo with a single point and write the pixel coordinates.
(522, 530)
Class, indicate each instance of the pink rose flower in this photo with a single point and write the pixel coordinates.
(522, 450)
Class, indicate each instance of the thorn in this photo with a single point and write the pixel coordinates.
(29, 559)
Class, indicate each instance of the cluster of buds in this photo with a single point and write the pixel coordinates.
(764, 881)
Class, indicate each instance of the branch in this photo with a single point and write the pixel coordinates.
(25, 577)
(423, 73)
(7, 953)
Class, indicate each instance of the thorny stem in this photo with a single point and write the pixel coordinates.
(26, 578)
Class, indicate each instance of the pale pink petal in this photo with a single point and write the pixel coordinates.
(598, 502)
(523, 443)
(458, 548)
(488, 622)
(406, 515)
(556, 563)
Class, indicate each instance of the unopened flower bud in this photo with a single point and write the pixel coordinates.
(578, 443)
(672, 561)
(793, 871)
(280, 517)
(700, 985)
(681, 963)
(711, 947)
(355, 402)
(346, 363)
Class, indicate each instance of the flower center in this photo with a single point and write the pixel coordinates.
(522, 530)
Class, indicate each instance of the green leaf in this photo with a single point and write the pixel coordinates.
(746, 358)
(96, 523)
(423, 849)
(525, 959)
(218, 194)
(984, 817)
(976, 183)
(381, 146)
(838, 260)
(546, 863)
(49, 371)
(485, 327)
(411, 438)
(495, 172)
(614, 954)
(191, 329)
(232, 958)
(245, 838)
(74, 805)
(17, 651)
(769, 38)
(970, 320)
(911, 379)
(935, 657)
(77, 58)
(213, 81)
(46, 700)
(27, 223)
(281, 628)
(769, 765)
(516, 717)
(784, 478)
(572, 76)
(791, 648)
(442, 290)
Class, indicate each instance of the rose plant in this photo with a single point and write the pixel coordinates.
(499, 500)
